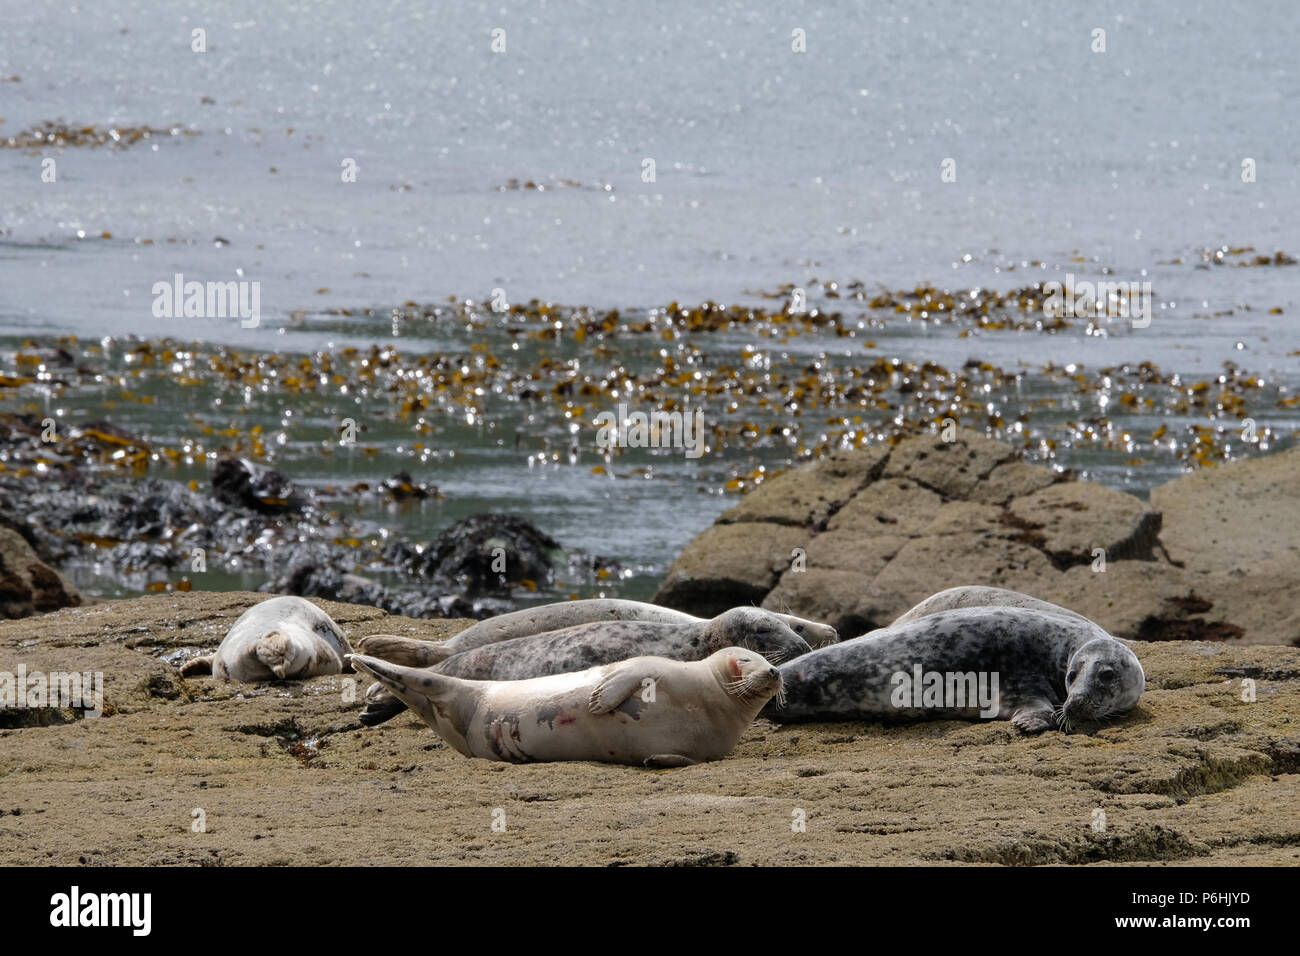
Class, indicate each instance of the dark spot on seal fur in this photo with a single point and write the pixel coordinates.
(632, 706)
(509, 723)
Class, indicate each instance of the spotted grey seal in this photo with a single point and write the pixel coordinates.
(553, 617)
(646, 710)
(284, 637)
(586, 645)
(1044, 669)
(971, 595)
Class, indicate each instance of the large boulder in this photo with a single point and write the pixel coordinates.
(952, 468)
(806, 497)
(730, 565)
(1230, 518)
(1146, 600)
(27, 584)
(1213, 556)
(1073, 519)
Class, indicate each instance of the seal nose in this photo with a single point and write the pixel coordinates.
(772, 672)
(1074, 709)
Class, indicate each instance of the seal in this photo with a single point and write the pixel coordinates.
(1043, 670)
(285, 637)
(553, 617)
(980, 596)
(647, 710)
(586, 645)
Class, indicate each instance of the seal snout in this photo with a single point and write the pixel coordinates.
(1078, 710)
(373, 666)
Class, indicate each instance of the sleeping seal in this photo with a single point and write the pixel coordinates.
(1036, 668)
(586, 645)
(648, 710)
(980, 596)
(553, 617)
(285, 637)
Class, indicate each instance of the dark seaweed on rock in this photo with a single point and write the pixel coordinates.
(238, 481)
(67, 511)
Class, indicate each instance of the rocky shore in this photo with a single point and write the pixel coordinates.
(195, 771)
(285, 774)
(857, 538)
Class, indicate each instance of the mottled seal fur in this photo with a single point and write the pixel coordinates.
(553, 617)
(953, 599)
(285, 637)
(648, 710)
(587, 645)
(1052, 669)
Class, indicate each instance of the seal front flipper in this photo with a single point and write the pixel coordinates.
(1034, 718)
(621, 682)
(407, 651)
(197, 666)
(668, 760)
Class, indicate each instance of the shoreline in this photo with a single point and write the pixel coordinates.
(167, 412)
(285, 775)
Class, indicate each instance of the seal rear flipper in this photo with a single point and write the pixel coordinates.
(197, 666)
(619, 683)
(668, 760)
(815, 633)
(408, 651)
(419, 688)
(381, 706)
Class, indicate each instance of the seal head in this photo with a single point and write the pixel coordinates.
(746, 677)
(1104, 679)
(756, 629)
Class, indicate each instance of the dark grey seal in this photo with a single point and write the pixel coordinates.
(1036, 668)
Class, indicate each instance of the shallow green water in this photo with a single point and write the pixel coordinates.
(498, 412)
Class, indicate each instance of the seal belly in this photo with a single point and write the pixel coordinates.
(560, 726)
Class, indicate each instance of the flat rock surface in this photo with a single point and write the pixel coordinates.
(285, 774)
